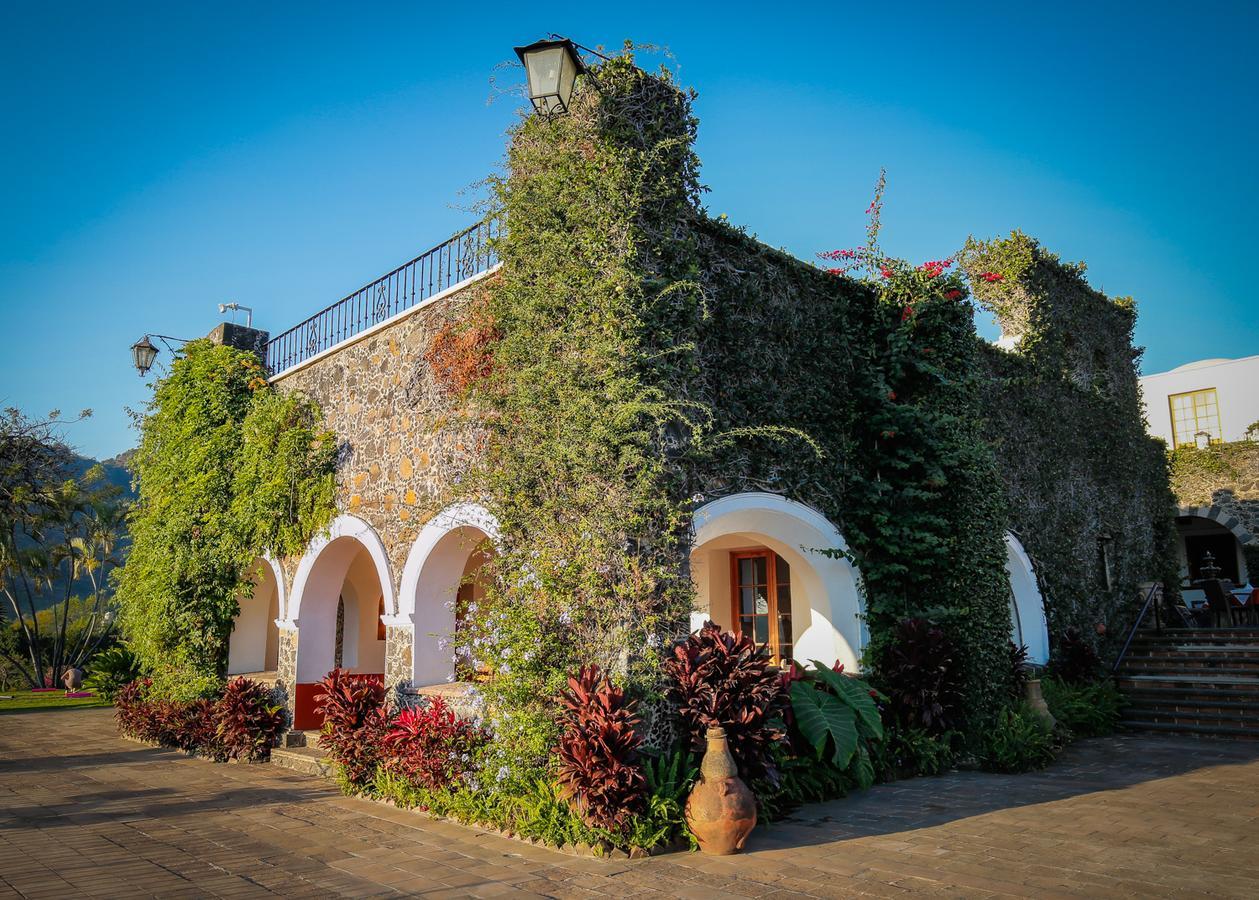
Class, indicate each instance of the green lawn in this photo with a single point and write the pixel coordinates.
(29, 700)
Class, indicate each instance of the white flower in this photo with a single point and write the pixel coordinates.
(502, 773)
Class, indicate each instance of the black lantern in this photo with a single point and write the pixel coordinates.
(552, 67)
(142, 354)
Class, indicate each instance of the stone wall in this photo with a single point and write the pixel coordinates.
(1222, 483)
(403, 445)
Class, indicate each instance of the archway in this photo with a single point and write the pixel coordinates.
(342, 589)
(438, 582)
(756, 566)
(1210, 530)
(1028, 626)
(253, 648)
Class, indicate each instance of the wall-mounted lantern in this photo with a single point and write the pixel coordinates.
(552, 67)
(143, 352)
(142, 355)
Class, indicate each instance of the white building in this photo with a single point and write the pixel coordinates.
(1212, 399)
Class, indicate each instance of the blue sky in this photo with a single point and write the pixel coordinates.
(163, 158)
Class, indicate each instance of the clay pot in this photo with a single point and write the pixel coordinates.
(1036, 700)
(721, 811)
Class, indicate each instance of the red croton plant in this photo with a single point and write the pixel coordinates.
(598, 751)
(431, 746)
(355, 723)
(720, 678)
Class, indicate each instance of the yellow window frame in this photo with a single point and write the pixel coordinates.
(1198, 411)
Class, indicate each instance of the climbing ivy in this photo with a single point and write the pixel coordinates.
(1087, 486)
(580, 405)
(226, 466)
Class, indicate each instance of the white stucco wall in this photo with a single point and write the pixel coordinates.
(1236, 382)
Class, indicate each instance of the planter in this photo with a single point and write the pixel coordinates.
(721, 810)
(1036, 700)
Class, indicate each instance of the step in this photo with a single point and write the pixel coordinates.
(1193, 635)
(1195, 672)
(1215, 731)
(306, 760)
(1196, 651)
(1201, 666)
(296, 738)
(1239, 687)
(1241, 718)
(1239, 697)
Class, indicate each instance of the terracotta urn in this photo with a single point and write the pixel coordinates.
(721, 811)
(1036, 700)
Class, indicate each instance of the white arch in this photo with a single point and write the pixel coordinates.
(1030, 626)
(828, 582)
(333, 552)
(433, 571)
(251, 647)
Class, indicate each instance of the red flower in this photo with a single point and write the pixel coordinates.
(889, 434)
(935, 267)
(886, 272)
(991, 276)
(891, 395)
(906, 312)
(870, 208)
(953, 294)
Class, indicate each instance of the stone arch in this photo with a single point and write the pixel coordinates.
(1220, 517)
(1028, 624)
(347, 564)
(434, 570)
(826, 600)
(254, 643)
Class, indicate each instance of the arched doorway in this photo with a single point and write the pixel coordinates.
(253, 648)
(1028, 626)
(439, 584)
(1209, 530)
(756, 566)
(342, 589)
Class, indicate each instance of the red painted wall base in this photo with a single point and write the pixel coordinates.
(305, 716)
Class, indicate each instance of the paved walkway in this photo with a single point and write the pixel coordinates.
(83, 813)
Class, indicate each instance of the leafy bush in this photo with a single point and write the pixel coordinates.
(131, 710)
(355, 724)
(598, 751)
(111, 670)
(909, 752)
(1018, 741)
(718, 678)
(1075, 661)
(247, 723)
(1017, 674)
(430, 746)
(242, 724)
(922, 677)
(1091, 709)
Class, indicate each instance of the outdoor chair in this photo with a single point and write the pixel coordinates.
(1223, 613)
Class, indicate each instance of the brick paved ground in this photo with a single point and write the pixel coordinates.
(83, 813)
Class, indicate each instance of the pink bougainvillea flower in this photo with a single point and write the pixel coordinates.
(991, 276)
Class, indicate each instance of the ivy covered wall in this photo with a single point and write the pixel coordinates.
(1086, 485)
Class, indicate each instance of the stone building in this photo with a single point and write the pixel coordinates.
(379, 592)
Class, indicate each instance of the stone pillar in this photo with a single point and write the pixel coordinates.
(239, 336)
(399, 646)
(286, 668)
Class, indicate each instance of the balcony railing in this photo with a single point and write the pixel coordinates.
(466, 254)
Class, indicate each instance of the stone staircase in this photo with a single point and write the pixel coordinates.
(1196, 681)
(300, 752)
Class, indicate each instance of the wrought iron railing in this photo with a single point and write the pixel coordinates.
(466, 254)
(1153, 599)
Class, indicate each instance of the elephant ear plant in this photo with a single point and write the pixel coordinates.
(837, 716)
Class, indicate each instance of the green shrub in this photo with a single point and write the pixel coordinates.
(1018, 741)
(110, 670)
(1091, 709)
(909, 752)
